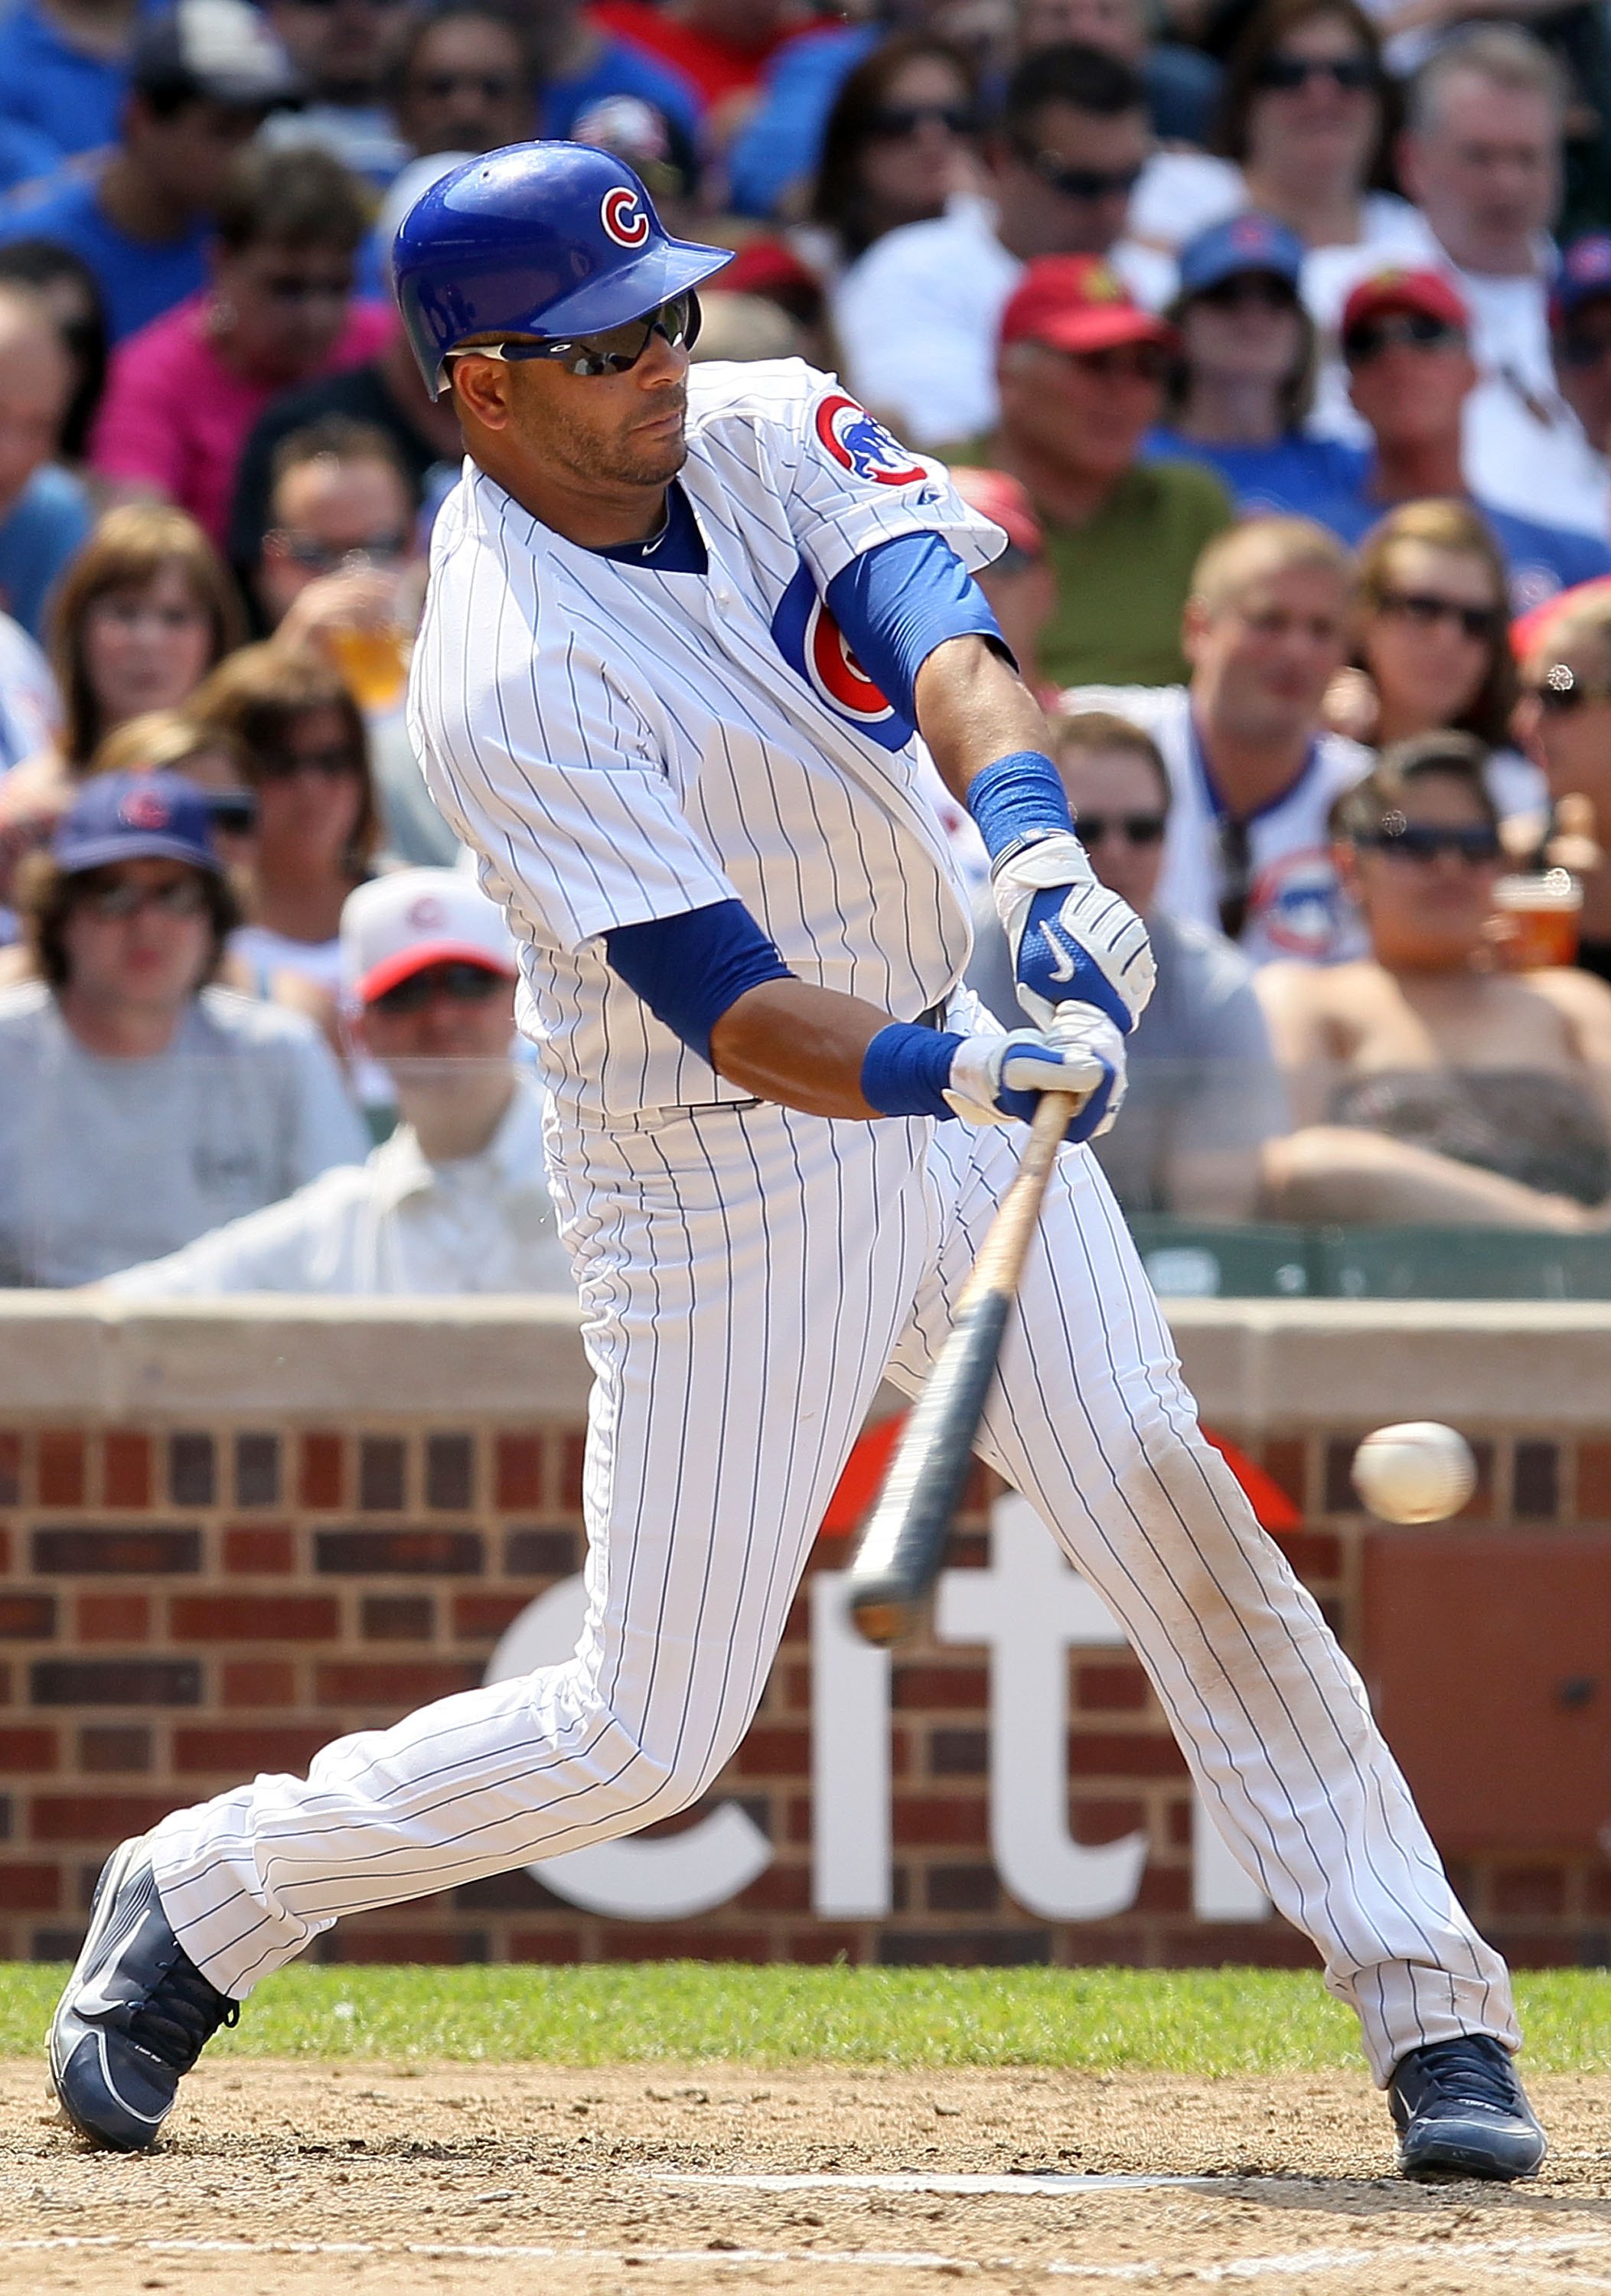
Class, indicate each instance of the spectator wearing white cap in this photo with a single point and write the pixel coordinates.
(139, 1104)
(455, 1201)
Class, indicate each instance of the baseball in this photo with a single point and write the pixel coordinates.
(1417, 1472)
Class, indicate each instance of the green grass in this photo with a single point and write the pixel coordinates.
(1203, 2022)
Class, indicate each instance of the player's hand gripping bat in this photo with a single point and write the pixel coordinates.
(899, 1555)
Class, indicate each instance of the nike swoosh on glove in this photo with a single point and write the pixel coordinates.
(1072, 940)
(999, 1080)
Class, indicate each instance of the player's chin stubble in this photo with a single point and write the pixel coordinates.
(626, 453)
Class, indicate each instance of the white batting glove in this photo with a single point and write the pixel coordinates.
(1072, 940)
(999, 1080)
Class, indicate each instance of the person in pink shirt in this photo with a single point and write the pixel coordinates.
(185, 392)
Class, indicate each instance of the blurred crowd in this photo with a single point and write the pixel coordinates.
(1274, 334)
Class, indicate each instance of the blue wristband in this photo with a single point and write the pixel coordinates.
(1017, 798)
(905, 1069)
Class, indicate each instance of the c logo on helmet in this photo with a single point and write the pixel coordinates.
(623, 217)
(143, 810)
(859, 445)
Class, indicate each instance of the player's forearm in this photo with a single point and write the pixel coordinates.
(973, 706)
(799, 1045)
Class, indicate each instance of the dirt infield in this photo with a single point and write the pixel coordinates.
(377, 2181)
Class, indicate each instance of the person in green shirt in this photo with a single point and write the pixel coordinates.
(1081, 370)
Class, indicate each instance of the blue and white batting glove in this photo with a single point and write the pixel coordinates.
(999, 1080)
(1072, 942)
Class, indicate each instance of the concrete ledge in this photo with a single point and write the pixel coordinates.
(1253, 1364)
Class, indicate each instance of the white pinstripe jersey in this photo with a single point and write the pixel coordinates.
(619, 744)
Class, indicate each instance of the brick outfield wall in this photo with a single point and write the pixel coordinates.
(180, 1607)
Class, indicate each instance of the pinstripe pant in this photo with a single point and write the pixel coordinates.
(746, 1278)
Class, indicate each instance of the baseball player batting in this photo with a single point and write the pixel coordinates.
(689, 634)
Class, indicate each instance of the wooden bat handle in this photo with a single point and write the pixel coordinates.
(903, 1543)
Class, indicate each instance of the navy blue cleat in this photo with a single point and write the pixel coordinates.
(1460, 2112)
(136, 2013)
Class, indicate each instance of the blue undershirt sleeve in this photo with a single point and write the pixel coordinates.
(689, 969)
(899, 601)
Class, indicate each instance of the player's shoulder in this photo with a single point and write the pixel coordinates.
(756, 392)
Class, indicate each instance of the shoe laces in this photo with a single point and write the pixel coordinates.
(1475, 2070)
(180, 2014)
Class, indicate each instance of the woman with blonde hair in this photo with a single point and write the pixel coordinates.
(1432, 651)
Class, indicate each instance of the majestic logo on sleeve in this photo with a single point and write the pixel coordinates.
(865, 447)
(623, 217)
(815, 649)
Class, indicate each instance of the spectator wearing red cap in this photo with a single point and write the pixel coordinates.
(1410, 371)
(455, 1201)
(1082, 372)
(139, 1104)
(918, 316)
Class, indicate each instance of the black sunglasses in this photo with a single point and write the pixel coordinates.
(898, 120)
(1369, 341)
(465, 984)
(1081, 183)
(1561, 690)
(233, 811)
(1424, 841)
(1135, 828)
(616, 351)
(317, 557)
(1424, 607)
(1289, 73)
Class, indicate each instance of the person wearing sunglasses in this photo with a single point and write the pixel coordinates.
(454, 1200)
(918, 316)
(1204, 1094)
(1406, 344)
(1563, 720)
(1432, 648)
(344, 52)
(899, 144)
(183, 393)
(1430, 1086)
(140, 1102)
(1080, 373)
(1306, 125)
(464, 81)
(304, 754)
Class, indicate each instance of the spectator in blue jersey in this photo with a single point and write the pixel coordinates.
(203, 76)
(1241, 387)
(580, 65)
(44, 512)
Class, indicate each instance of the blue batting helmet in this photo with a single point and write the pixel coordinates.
(550, 239)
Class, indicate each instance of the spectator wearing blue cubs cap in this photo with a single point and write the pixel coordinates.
(1579, 345)
(1241, 387)
(140, 1105)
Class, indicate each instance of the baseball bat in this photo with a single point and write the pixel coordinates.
(899, 1555)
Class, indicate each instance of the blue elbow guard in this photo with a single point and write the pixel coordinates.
(899, 601)
(690, 969)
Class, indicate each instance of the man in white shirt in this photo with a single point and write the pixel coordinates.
(1481, 158)
(456, 1201)
(1247, 849)
(917, 316)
